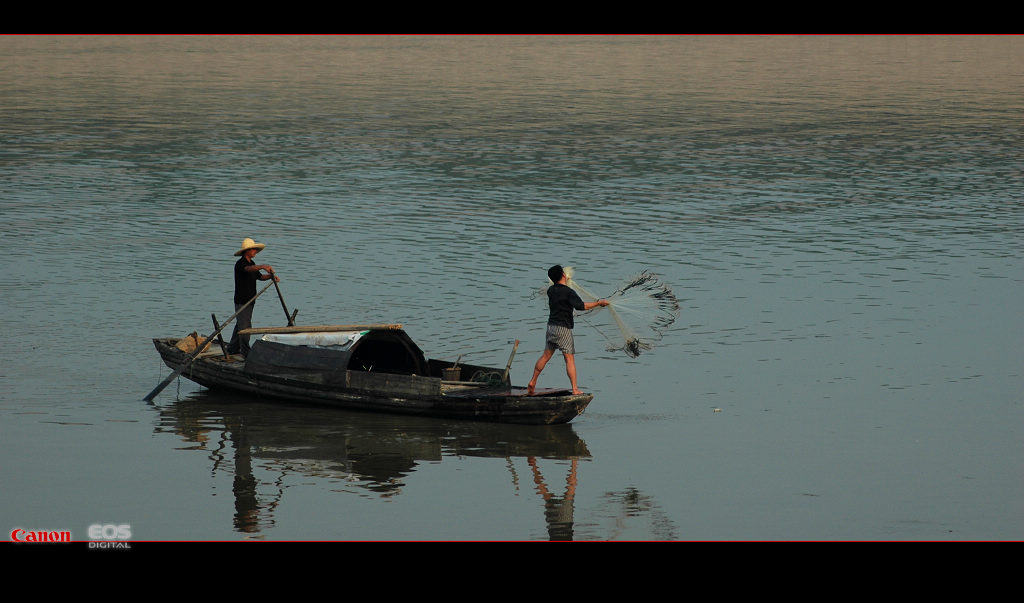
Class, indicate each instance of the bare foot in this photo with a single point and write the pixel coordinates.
(530, 387)
(577, 391)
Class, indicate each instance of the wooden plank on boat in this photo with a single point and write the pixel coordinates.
(393, 384)
(319, 329)
(541, 391)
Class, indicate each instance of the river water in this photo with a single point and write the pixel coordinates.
(840, 218)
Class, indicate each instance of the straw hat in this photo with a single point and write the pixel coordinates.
(249, 244)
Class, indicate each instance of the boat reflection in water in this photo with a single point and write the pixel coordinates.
(369, 453)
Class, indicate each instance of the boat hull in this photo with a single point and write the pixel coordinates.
(381, 392)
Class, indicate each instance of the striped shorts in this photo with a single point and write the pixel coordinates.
(559, 337)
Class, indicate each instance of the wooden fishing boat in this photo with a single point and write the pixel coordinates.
(371, 368)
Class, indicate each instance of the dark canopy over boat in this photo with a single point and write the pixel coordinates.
(373, 368)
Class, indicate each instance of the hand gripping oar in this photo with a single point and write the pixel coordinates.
(191, 358)
(290, 317)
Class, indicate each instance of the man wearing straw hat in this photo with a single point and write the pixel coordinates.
(247, 272)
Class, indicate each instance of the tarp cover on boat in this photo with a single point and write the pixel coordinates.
(328, 353)
(333, 339)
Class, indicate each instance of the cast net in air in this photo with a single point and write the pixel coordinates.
(638, 314)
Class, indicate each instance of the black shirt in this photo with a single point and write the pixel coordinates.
(245, 281)
(561, 300)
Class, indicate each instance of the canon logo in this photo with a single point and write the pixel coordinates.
(23, 535)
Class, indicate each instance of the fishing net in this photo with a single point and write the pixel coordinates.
(638, 313)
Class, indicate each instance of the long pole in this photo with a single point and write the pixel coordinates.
(289, 317)
(191, 358)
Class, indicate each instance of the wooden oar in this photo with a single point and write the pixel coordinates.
(508, 366)
(220, 339)
(289, 317)
(191, 358)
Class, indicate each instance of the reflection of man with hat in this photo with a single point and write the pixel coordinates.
(247, 272)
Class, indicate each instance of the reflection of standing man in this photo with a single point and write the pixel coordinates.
(558, 512)
(561, 302)
(247, 272)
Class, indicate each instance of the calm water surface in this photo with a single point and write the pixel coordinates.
(841, 218)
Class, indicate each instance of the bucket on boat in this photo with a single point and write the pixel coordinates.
(451, 374)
